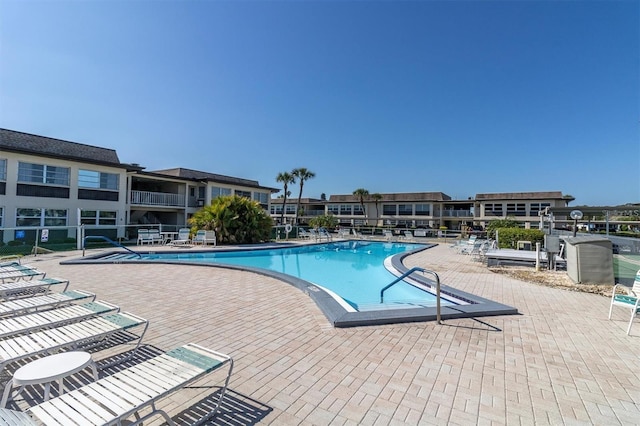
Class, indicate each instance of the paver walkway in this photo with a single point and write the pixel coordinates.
(561, 361)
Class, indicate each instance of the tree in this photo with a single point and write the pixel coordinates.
(236, 220)
(302, 175)
(376, 197)
(327, 221)
(361, 193)
(285, 178)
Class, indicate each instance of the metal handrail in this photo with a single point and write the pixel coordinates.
(424, 271)
(100, 237)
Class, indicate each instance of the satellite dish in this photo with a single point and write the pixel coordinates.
(576, 214)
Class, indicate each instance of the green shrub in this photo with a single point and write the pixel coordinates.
(236, 220)
(509, 237)
(500, 224)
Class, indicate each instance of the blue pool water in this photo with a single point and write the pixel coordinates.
(354, 270)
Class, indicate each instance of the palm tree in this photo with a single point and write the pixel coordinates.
(301, 174)
(361, 193)
(285, 178)
(376, 197)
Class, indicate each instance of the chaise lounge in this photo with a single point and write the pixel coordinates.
(84, 333)
(630, 300)
(115, 398)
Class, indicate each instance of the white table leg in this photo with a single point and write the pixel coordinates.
(95, 371)
(6, 393)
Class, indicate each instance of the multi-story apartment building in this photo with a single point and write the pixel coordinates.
(426, 209)
(47, 182)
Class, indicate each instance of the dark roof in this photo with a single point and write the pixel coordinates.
(407, 196)
(555, 195)
(197, 175)
(11, 140)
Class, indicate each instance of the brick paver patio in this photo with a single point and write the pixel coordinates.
(560, 361)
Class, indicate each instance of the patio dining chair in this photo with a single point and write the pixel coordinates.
(630, 300)
(205, 237)
(118, 397)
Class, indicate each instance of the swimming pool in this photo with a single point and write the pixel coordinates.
(358, 268)
(353, 271)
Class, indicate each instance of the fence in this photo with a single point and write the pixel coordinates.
(36, 240)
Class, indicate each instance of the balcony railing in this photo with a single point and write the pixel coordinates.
(147, 198)
(457, 213)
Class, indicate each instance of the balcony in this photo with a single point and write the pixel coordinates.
(457, 213)
(163, 199)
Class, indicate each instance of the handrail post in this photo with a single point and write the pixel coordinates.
(409, 272)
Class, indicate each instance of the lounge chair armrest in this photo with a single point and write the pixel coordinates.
(626, 289)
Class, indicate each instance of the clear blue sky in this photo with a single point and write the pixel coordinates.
(462, 97)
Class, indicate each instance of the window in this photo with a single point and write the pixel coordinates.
(261, 197)
(405, 209)
(345, 209)
(516, 209)
(97, 217)
(389, 209)
(3, 177)
(538, 207)
(493, 209)
(98, 180)
(423, 210)
(290, 209)
(217, 191)
(358, 210)
(245, 194)
(41, 217)
(333, 209)
(42, 173)
(276, 208)
(1, 215)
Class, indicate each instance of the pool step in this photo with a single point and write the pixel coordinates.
(121, 256)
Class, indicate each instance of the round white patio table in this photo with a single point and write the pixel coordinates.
(49, 369)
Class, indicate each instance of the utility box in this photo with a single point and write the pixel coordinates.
(589, 260)
(552, 243)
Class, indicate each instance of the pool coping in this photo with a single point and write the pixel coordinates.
(335, 313)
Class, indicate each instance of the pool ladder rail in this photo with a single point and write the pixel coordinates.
(409, 272)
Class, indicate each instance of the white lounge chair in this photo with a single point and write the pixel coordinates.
(184, 237)
(205, 237)
(21, 324)
(630, 300)
(358, 235)
(23, 288)
(302, 233)
(14, 271)
(84, 333)
(117, 397)
(343, 233)
(48, 301)
(388, 235)
(324, 234)
(408, 236)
